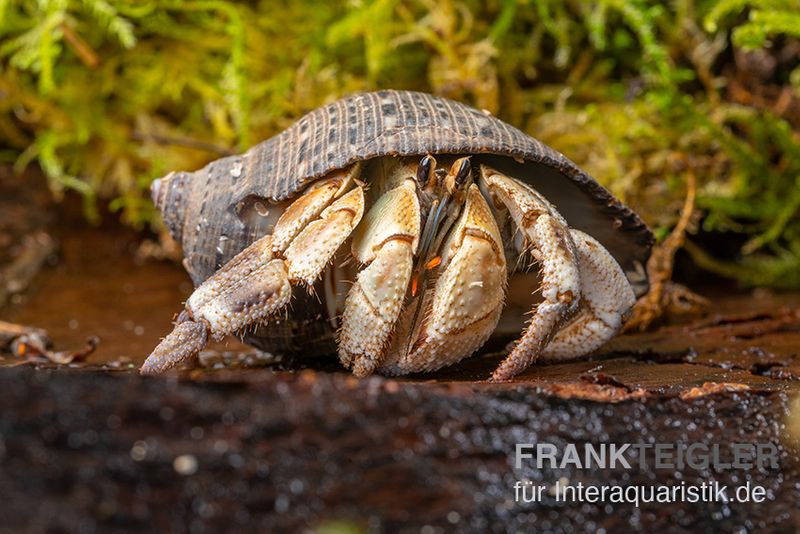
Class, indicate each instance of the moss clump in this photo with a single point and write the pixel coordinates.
(107, 94)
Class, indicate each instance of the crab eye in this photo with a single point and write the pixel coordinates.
(463, 173)
(459, 175)
(424, 171)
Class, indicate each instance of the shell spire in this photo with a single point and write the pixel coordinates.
(169, 195)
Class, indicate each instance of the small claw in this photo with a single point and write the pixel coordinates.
(312, 249)
(183, 343)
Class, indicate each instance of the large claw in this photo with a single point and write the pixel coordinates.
(258, 281)
(463, 309)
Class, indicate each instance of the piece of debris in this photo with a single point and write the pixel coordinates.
(122, 363)
(9, 332)
(211, 359)
(665, 296)
(24, 348)
(711, 388)
(30, 343)
(603, 379)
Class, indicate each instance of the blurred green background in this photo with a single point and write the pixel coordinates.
(104, 96)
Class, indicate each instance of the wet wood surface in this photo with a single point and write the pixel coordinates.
(285, 450)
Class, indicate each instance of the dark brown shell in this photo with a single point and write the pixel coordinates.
(209, 211)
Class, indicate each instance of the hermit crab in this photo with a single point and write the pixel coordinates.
(385, 227)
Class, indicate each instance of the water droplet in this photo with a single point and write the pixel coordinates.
(139, 451)
(113, 422)
(261, 209)
(281, 504)
(185, 464)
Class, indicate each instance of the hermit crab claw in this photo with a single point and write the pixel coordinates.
(258, 281)
(461, 308)
(384, 244)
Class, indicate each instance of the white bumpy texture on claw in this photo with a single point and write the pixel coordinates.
(463, 309)
(385, 242)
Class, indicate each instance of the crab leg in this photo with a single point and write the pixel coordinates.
(553, 247)
(606, 302)
(463, 309)
(258, 281)
(386, 242)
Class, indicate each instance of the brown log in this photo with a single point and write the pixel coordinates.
(279, 451)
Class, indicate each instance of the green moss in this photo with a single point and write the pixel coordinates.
(107, 94)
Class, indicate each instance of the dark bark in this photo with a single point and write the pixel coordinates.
(285, 450)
